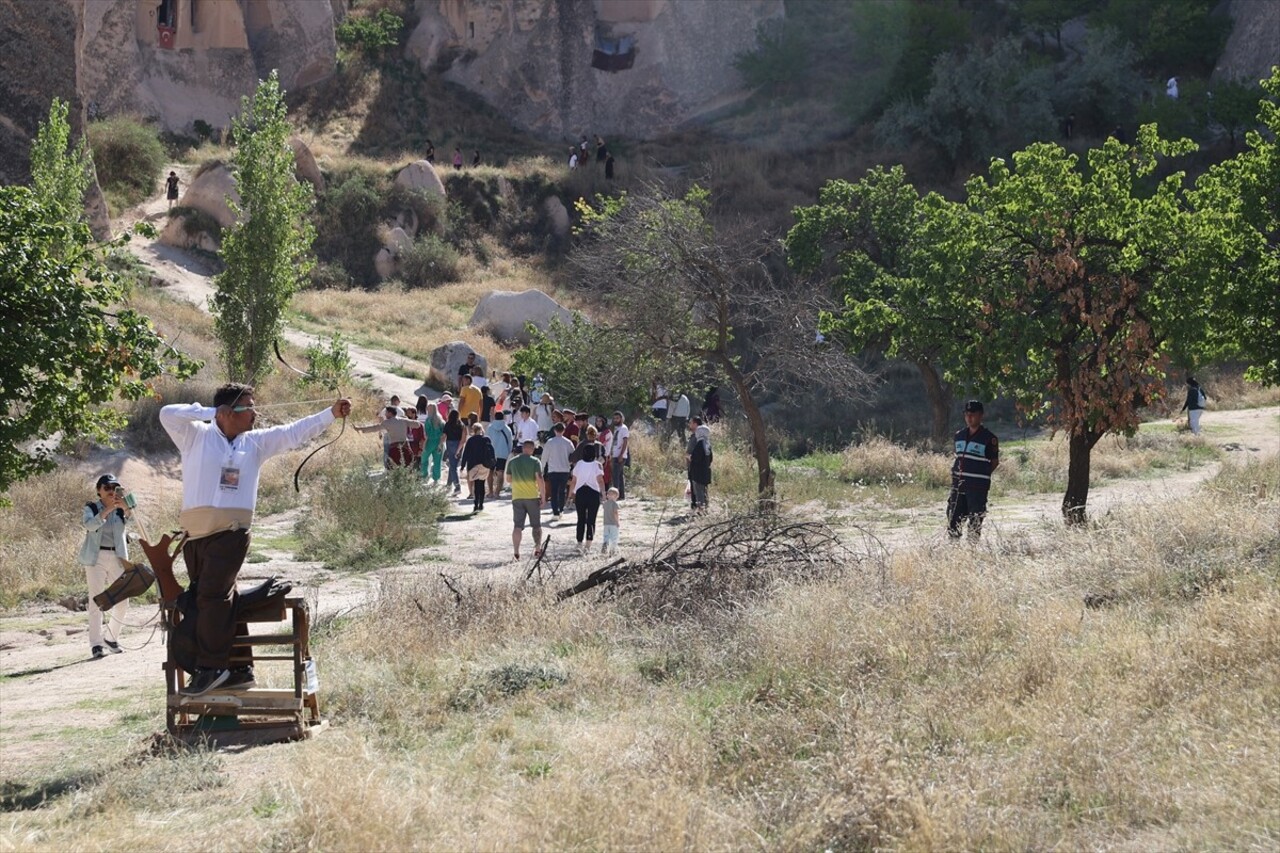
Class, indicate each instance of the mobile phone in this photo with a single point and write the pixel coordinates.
(130, 501)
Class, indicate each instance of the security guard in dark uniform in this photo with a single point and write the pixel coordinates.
(977, 456)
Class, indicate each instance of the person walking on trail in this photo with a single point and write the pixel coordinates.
(699, 458)
(977, 457)
(453, 433)
(679, 420)
(526, 428)
(433, 442)
(621, 455)
(1194, 404)
(586, 484)
(457, 158)
(469, 399)
(524, 475)
(395, 427)
(171, 188)
(609, 519)
(556, 468)
(500, 437)
(105, 545)
(477, 460)
(222, 457)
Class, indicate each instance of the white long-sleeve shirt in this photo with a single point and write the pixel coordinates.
(222, 473)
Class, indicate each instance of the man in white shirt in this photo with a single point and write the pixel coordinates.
(678, 420)
(221, 462)
(620, 455)
(526, 427)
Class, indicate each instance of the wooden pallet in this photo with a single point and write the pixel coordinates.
(258, 715)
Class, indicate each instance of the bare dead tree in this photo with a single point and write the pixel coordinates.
(683, 293)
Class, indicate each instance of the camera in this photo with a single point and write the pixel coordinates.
(129, 500)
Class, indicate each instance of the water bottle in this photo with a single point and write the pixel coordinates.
(312, 685)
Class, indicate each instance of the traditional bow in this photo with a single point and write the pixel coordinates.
(304, 374)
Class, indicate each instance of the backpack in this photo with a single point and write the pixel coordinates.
(1201, 399)
(490, 458)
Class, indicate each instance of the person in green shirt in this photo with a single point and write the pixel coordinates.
(433, 448)
(524, 475)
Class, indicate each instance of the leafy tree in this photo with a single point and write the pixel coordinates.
(60, 172)
(67, 348)
(370, 32)
(618, 375)
(1088, 279)
(1102, 85)
(895, 261)
(268, 250)
(1048, 16)
(978, 103)
(1235, 106)
(1243, 247)
(779, 60)
(678, 291)
(1172, 35)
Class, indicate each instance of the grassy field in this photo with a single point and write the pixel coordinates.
(939, 699)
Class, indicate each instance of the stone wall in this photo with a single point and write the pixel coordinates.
(1254, 45)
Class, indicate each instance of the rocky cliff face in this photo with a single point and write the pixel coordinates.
(38, 50)
(1254, 45)
(571, 67)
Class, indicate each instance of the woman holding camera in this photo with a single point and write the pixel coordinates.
(104, 541)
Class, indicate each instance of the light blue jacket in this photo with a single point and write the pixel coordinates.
(99, 532)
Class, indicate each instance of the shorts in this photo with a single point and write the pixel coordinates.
(610, 534)
(530, 508)
(500, 464)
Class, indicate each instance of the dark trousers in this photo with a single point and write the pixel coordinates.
(213, 563)
(478, 493)
(587, 502)
(558, 485)
(617, 467)
(970, 505)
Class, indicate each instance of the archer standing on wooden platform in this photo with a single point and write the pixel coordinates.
(221, 462)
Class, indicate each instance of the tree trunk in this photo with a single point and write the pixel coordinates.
(1080, 447)
(939, 402)
(759, 441)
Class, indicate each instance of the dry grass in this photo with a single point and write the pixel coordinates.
(951, 700)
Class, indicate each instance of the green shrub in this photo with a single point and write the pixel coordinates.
(370, 33)
(362, 520)
(428, 262)
(128, 157)
(347, 217)
(196, 220)
(329, 363)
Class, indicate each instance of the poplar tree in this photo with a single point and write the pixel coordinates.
(267, 251)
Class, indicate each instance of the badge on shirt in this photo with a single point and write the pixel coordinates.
(229, 480)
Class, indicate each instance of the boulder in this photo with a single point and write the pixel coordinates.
(446, 359)
(504, 313)
(421, 175)
(304, 164)
(183, 233)
(429, 39)
(558, 216)
(384, 264)
(397, 240)
(208, 192)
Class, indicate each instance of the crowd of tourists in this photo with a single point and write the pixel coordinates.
(506, 434)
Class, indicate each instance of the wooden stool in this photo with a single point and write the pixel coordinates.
(257, 715)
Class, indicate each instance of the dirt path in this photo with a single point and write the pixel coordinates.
(61, 709)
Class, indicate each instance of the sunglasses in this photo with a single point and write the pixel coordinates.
(239, 409)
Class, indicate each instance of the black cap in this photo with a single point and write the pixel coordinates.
(107, 480)
(973, 406)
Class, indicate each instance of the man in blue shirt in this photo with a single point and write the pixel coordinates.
(500, 434)
(977, 456)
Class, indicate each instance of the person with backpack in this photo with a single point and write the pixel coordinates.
(1194, 404)
(478, 459)
(556, 468)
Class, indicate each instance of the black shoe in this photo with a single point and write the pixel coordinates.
(114, 648)
(205, 680)
(98, 652)
(241, 678)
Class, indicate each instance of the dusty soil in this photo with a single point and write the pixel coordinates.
(63, 710)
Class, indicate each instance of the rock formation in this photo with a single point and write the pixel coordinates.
(421, 175)
(446, 359)
(504, 313)
(1254, 45)
(568, 67)
(208, 192)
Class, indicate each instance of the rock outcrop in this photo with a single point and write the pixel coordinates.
(421, 175)
(568, 67)
(504, 313)
(208, 193)
(1254, 45)
(305, 166)
(446, 359)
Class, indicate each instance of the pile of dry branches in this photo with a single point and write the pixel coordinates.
(721, 563)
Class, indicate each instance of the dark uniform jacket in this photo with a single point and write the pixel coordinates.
(975, 454)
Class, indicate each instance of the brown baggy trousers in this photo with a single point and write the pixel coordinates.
(213, 563)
